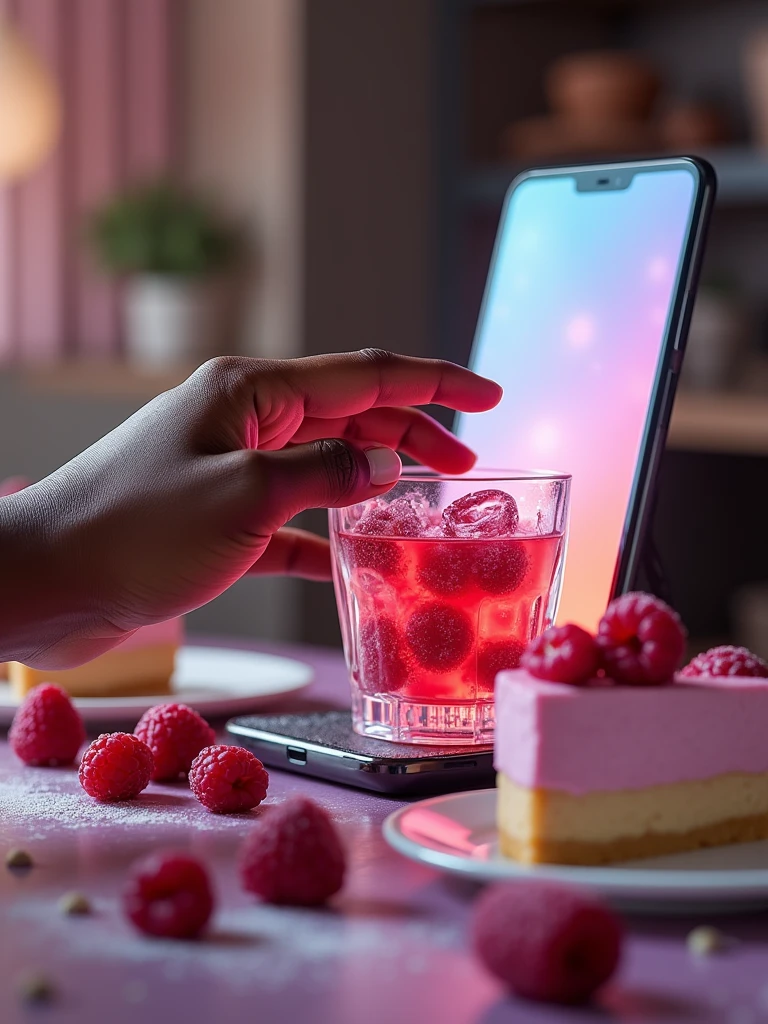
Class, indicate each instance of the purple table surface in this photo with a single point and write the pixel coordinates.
(391, 948)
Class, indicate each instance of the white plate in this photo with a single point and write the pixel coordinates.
(457, 834)
(213, 680)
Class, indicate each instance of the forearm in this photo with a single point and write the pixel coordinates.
(42, 597)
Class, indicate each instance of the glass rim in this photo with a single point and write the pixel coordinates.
(421, 474)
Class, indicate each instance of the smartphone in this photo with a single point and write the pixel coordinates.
(324, 746)
(584, 322)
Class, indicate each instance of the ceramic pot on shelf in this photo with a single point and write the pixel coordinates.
(756, 84)
(717, 340)
(171, 321)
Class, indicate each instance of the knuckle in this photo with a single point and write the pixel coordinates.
(340, 466)
(228, 373)
(379, 357)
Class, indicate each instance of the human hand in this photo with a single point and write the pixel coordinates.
(193, 491)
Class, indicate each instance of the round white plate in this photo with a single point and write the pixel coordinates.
(457, 834)
(213, 680)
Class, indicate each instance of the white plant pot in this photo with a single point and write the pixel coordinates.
(170, 322)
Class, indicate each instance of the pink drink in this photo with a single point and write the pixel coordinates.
(437, 618)
(435, 598)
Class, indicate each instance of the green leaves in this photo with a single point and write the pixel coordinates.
(160, 229)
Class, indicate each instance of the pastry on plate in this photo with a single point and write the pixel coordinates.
(140, 666)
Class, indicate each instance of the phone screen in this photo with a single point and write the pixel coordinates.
(573, 326)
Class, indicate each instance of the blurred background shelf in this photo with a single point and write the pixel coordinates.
(720, 423)
(98, 380)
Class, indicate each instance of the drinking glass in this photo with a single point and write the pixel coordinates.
(440, 584)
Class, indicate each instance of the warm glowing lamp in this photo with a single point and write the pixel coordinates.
(30, 111)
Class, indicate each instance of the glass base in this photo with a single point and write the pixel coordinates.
(400, 720)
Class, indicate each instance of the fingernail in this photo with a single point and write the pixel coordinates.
(385, 465)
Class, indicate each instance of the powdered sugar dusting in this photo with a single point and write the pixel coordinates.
(256, 944)
(52, 799)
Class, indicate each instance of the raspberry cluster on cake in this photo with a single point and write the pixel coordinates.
(604, 753)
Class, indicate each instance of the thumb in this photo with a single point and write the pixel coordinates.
(324, 474)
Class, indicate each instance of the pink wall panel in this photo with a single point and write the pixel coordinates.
(40, 244)
(97, 129)
(150, 96)
(115, 63)
(7, 244)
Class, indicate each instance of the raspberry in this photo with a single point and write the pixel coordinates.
(501, 568)
(47, 729)
(294, 855)
(169, 895)
(726, 661)
(641, 640)
(382, 665)
(445, 569)
(482, 514)
(398, 518)
(439, 636)
(563, 654)
(546, 942)
(175, 734)
(116, 766)
(383, 556)
(497, 656)
(227, 779)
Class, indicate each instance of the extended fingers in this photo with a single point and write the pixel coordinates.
(348, 383)
(293, 552)
(410, 431)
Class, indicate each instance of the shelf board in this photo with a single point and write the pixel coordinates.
(100, 380)
(728, 423)
(742, 175)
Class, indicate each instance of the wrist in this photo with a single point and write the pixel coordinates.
(44, 597)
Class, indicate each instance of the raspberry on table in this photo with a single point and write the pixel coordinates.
(546, 942)
(294, 855)
(383, 665)
(228, 779)
(563, 654)
(501, 568)
(175, 734)
(726, 661)
(490, 513)
(440, 636)
(116, 766)
(496, 656)
(641, 640)
(169, 895)
(47, 729)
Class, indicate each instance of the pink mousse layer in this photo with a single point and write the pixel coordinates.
(579, 740)
(169, 632)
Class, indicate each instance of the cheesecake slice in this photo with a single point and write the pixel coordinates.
(594, 775)
(142, 665)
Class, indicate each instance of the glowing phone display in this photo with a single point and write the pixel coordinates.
(583, 305)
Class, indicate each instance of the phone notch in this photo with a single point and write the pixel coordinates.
(604, 180)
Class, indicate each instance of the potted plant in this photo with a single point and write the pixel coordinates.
(173, 251)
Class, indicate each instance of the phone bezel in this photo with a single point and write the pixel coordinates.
(640, 505)
(413, 771)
